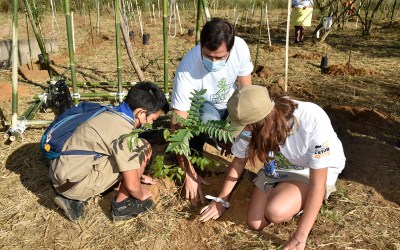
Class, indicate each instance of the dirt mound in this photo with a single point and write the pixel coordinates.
(264, 72)
(314, 56)
(33, 72)
(346, 69)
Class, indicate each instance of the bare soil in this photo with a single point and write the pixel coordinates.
(362, 99)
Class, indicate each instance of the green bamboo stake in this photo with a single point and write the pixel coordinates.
(29, 40)
(199, 5)
(14, 96)
(75, 93)
(118, 48)
(259, 38)
(165, 34)
(39, 38)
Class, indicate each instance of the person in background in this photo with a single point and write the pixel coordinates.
(220, 64)
(301, 155)
(76, 178)
(301, 17)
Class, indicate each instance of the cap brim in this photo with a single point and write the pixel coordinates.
(238, 129)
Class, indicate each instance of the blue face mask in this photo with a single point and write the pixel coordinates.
(213, 66)
(246, 134)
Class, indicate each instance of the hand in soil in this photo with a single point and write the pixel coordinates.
(193, 188)
(147, 180)
(212, 211)
(294, 244)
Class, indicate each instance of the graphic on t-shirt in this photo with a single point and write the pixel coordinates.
(222, 93)
(282, 163)
(321, 150)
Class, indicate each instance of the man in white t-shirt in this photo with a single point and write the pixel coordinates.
(220, 64)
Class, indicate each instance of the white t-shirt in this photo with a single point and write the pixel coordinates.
(314, 143)
(192, 75)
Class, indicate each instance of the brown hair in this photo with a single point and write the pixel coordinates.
(272, 131)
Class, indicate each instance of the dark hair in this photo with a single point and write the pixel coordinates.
(273, 130)
(148, 96)
(215, 32)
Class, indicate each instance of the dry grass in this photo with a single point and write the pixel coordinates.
(363, 214)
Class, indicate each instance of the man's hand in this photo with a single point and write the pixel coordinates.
(225, 148)
(193, 187)
(212, 211)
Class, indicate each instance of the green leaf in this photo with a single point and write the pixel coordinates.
(166, 134)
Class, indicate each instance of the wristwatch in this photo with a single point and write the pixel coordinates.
(224, 203)
(219, 200)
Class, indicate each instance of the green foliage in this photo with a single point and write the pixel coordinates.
(161, 170)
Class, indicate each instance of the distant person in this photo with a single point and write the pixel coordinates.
(220, 64)
(76, 178)
(301, 17)
(311, 158)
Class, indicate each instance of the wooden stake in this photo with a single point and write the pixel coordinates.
(267, 23)
(129, 49)
(154, 15)
(98, 18)
(179, 18)
(287, 46)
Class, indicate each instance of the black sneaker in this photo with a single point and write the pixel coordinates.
(73, 209)
(397, 145)
(130, 207)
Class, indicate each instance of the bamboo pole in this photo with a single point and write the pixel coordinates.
(287, 45)
(73, 31)
(198, 18)
(90, 22)
(53, 17)
(259, 37)
(206, 10)
(118, 47)
(14, 94)
(39, 38)
(75, 93)
(165, 35)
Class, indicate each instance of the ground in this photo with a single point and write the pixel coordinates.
(362, 100)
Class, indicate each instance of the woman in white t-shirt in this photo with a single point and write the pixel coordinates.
(303, 158)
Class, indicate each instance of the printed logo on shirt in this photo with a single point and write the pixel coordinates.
(321, 150)
(223, 91)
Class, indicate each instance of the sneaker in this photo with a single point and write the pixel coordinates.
(73, 209)
(397, 145)
(130, 207)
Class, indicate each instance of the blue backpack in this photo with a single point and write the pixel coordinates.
(62, 128)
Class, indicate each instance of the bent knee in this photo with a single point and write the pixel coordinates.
(277, 215)
(256, 225)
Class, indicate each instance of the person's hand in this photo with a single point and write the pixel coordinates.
(146, 194)
(212, 211)
(225, 148)
(294, 244)
(193, 188)
(147, 180)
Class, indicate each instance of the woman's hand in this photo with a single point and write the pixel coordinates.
(295, 244)
(212, 211)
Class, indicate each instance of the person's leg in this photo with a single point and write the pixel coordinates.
(144, 159)
(256, 213)
(209, 113)
(301, 33)
(296, 34)
(285, 200)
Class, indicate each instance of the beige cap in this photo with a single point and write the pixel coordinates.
(248, 105)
